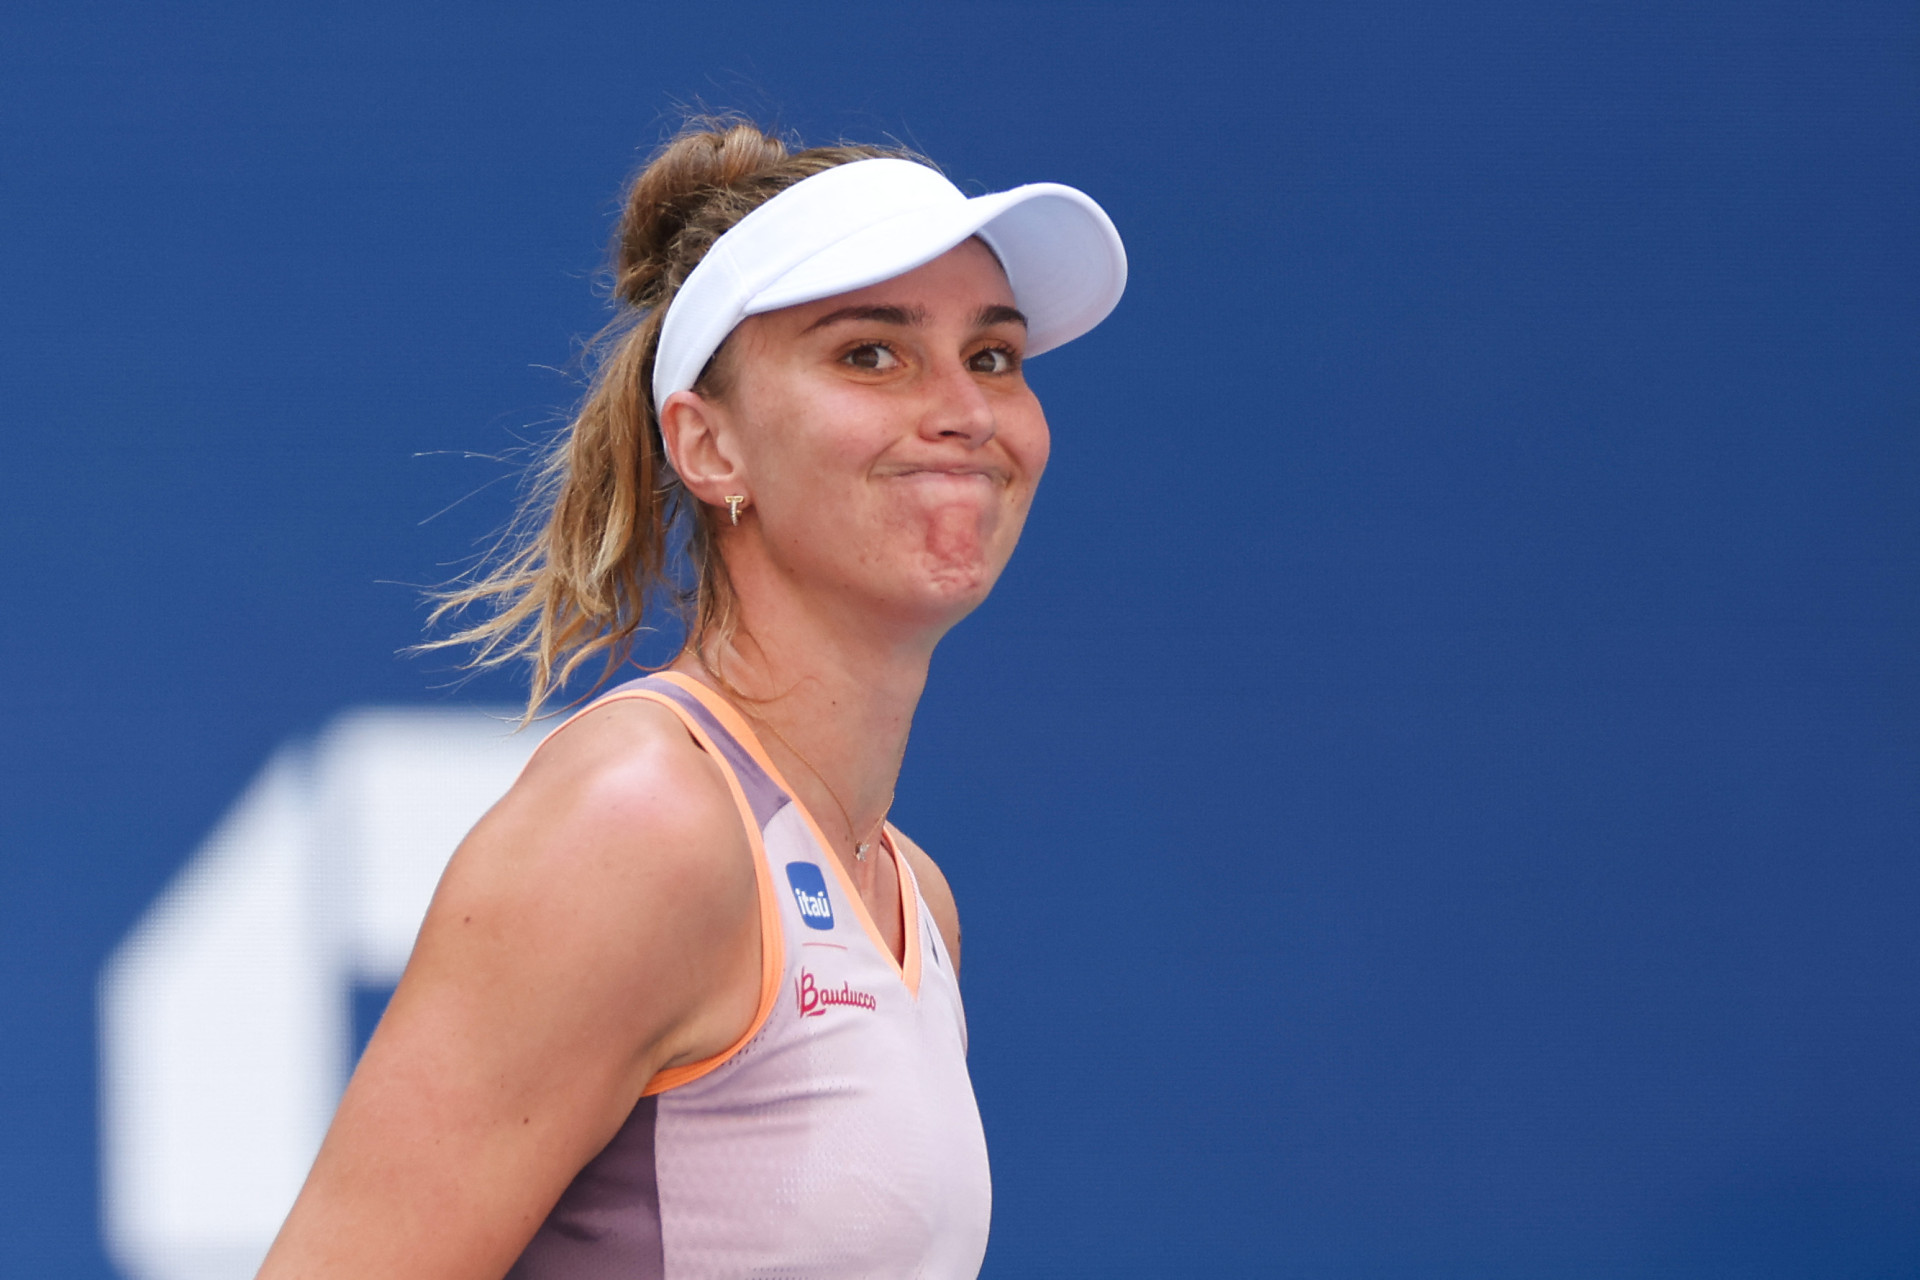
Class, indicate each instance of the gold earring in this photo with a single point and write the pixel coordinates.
(733, 501)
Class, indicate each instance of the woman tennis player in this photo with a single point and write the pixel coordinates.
(685, 1004)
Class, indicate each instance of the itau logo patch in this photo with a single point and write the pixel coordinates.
(810, 892)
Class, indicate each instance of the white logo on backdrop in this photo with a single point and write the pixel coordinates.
(225, 1015)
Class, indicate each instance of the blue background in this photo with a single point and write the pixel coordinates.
(1435, 794)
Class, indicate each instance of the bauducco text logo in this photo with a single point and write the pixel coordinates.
(813, 1001)
(810, 892)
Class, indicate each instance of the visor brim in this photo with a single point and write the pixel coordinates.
(1062, 255)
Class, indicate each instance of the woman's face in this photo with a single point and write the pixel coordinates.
(888, 440)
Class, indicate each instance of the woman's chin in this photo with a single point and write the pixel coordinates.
(927, 594)
(956, 536)
(940, 561)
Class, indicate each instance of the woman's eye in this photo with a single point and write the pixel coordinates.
(991, 360)
(871, 356)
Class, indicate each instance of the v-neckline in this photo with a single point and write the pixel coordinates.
(907, 963)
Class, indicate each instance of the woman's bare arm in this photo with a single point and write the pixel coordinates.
(599, 924)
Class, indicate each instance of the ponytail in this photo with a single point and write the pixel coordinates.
(591, 548)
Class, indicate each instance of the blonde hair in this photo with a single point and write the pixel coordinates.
(593, 546)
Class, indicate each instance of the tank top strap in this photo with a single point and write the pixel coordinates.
(764, 796)
(759, 797)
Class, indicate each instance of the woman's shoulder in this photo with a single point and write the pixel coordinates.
(618, 805)
(628, 754)
(616, 858)
(628, 760)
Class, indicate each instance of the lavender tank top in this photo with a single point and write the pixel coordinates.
(838, 1138)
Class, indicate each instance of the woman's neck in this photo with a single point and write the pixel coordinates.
(837, 697)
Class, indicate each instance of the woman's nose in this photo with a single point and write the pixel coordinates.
(959, 409)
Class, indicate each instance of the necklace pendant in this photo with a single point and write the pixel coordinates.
(860, 852)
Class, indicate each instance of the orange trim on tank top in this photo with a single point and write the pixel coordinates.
(907, 965)
(909, 910)
(773, 943)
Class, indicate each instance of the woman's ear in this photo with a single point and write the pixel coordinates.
(698, 436)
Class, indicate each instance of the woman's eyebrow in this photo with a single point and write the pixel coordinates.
(987, 317)
(876, 315)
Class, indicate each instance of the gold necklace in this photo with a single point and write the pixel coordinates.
(860, 847)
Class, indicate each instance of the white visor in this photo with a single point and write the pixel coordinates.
(858, 224)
